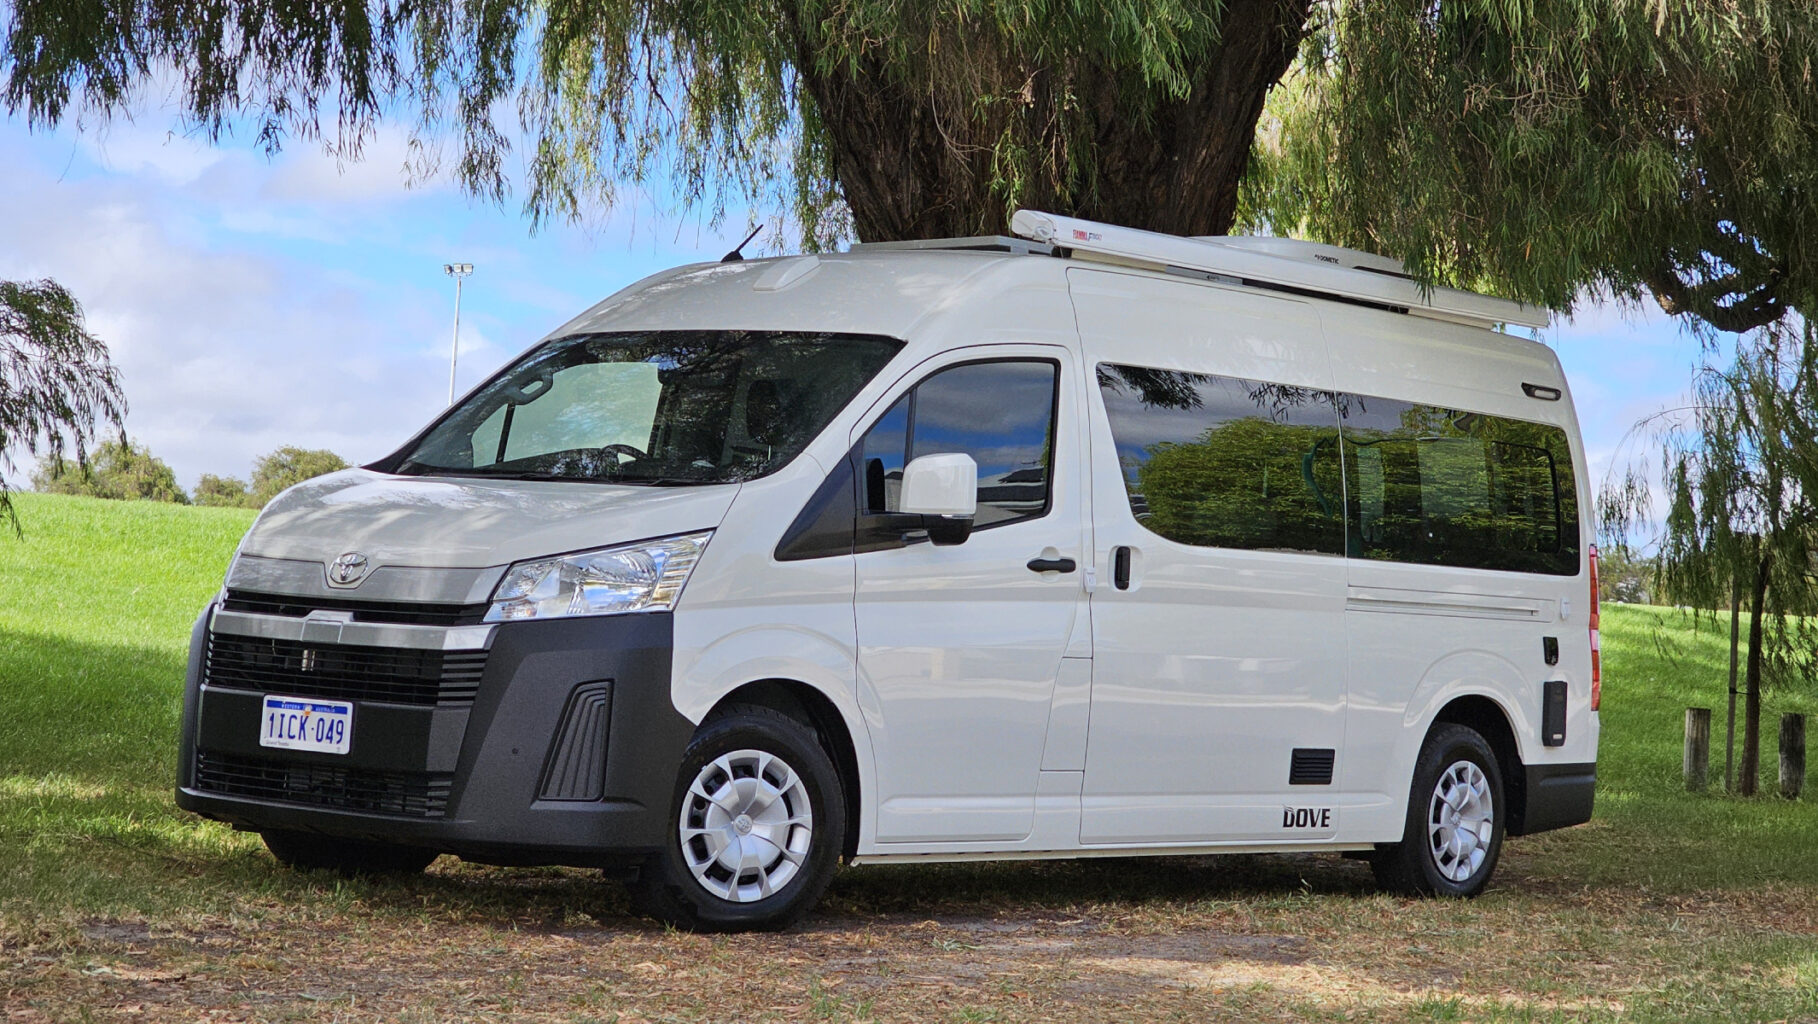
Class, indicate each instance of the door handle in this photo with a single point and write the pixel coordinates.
(1052, 565)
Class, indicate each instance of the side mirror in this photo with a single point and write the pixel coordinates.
(942, 492)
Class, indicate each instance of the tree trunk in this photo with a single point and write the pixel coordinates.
(1697, 760)
(918, 162)
(1750, 780)
(1729, 722)
(1792, 755)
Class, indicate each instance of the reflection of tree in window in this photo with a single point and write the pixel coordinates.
(1224, 462)
(1446, 487)
(1000, 413)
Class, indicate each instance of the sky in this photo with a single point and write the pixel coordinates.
(252, 301)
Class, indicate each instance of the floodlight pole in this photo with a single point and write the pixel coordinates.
(458, 271)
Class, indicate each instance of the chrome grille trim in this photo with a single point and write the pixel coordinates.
(324, 627)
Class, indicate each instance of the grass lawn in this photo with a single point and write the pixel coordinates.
(114, 906)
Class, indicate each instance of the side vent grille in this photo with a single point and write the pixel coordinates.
(577, 760)
(1312, 766)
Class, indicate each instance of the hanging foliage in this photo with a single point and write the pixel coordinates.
(57, 387)
(1740, 483)
(895, 119)
(1545, 149)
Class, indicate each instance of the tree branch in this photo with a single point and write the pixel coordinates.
(1757, 307)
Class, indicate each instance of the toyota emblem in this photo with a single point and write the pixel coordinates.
(347, 570)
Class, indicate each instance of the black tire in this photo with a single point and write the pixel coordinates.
(1411, 866)
(668, 888)
(306, 851)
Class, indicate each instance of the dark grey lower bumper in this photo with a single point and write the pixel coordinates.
(471, 779)
(1557, 796)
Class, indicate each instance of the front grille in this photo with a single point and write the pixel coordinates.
(407, 613)
(395, 675)
(404, 794)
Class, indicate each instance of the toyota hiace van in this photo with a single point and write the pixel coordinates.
(1086, 542)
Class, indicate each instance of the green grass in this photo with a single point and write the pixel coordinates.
(1657, 663)
(94, 634)
(1669, 906)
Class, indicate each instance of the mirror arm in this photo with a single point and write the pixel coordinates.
(941, 530)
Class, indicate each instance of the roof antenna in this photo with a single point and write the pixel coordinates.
(735, 255)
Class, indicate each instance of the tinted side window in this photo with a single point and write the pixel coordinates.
(882, 454)
(1444, 487)
(1000, 413)
(1225, 462)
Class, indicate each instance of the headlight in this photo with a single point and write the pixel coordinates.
(642, 577)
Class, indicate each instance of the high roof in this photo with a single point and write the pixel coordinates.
(1286, 264)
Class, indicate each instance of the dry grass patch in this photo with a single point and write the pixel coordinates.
(1202, 940)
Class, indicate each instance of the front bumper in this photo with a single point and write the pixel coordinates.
(565, 751)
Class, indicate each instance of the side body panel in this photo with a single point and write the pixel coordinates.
(1423, 636)
(1215, 664)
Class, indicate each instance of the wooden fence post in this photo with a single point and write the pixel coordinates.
(1792, 755)
(1697, 748)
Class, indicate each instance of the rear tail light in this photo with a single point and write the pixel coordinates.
(1596, 643)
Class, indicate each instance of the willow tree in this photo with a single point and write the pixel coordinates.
(57, 386)
(1545, 148)
(1740, 482)
(890, 118)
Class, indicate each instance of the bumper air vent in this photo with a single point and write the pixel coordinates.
(401, 794)
(1312, 766)
(343, 672)
(577, 759)
(397, 612)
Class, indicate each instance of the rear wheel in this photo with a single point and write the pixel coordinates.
(307, 851)
(1456, 813)
(756, 827)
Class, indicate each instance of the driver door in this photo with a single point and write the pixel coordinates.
(959, 647)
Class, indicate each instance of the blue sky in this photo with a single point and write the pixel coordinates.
(255, 301)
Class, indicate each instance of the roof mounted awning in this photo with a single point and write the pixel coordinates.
(1280, 263)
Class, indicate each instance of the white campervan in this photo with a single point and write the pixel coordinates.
(1089, 542)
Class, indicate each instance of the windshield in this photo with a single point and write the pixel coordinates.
(653, 407)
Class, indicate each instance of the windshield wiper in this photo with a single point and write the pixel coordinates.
(418, 469)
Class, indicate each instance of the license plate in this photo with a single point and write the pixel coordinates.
(299, 723)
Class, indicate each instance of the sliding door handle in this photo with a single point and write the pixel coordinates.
(1052, 565)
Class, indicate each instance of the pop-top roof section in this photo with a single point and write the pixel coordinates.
(1280, 263)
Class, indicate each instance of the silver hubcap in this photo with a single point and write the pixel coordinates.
(1461, 821)
(746, 825)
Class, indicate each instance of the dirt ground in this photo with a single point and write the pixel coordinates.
(1253, 939)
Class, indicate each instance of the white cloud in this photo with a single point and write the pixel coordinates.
(129, 146)
(308, 174)
(254, 301)
(224, 353)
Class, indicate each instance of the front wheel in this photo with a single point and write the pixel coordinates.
(1456, 812)
(757, 823)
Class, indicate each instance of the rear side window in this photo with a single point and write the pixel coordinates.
(1225, 462)
(1445, 487)
(1000, 413)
